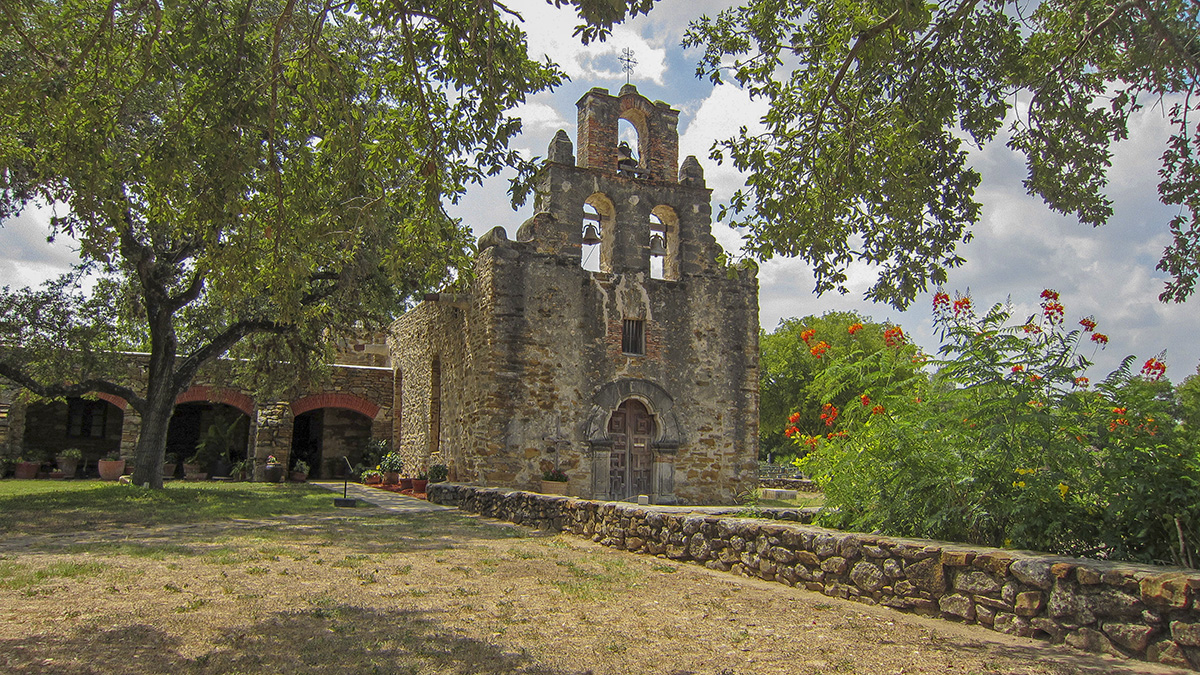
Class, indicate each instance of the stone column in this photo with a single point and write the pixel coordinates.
(663, 476)
(272, 435)
(601, 459)
(131, 428)
(16, 427)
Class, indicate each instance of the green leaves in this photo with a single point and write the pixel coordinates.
(862, 157)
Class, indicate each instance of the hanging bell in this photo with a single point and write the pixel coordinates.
(657, 246)
(590, 236)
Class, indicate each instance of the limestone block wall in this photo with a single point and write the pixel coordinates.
(1127, 610)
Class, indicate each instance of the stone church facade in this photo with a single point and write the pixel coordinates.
(636, 377)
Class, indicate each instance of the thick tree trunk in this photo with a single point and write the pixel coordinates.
(152, 442)
(161, 390)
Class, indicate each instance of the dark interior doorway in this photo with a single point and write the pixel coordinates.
(214, 434)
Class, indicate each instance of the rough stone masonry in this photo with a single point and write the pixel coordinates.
(638, 377)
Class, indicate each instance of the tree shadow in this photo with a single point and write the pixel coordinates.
(332, 640)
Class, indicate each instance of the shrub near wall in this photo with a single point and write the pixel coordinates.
(1127, 610)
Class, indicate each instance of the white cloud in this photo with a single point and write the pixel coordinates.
(551, 32)
(28, 259)
(539, 117)
(720, 115)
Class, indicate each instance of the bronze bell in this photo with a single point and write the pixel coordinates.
(657, 245)
(590, 236)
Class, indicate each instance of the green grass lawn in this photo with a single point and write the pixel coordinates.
(43, 506)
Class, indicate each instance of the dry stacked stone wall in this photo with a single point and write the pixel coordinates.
(1126, 610)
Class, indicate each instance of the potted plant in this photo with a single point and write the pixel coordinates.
(111, 467)
(68, 461)
(25, 469)
(193, 467)
(273, 472)
(371, 477)
(420, 482)
(170, 461)
(554, 482)
(391, 465)
(300, 471)
(438, 473)
(240, 469)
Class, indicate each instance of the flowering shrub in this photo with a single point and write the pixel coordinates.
(1006, 444)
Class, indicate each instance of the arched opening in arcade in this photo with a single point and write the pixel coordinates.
(322, 437)
(214, 436)
(92, 426)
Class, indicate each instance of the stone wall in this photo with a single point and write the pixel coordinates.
(798, 484)
(1127, 610)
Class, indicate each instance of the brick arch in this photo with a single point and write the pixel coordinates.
(113, 399)
(228, 397)
(335, 400)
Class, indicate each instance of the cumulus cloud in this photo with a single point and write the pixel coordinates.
(28, 259)
(551, 31)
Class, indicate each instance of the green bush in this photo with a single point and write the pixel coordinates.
(1008, 444)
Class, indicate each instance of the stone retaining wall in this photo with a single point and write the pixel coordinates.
(799, 484)
(1127, 610)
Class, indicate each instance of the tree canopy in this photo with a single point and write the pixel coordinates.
(873, 106)
(260, 175)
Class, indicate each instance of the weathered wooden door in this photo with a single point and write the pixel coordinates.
(631, 427)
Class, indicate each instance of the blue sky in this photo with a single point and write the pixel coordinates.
(1020, 246)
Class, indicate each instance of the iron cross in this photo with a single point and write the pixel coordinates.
(627, 62)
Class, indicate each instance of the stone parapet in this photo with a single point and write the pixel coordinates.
(1127, 610)
(798, 484)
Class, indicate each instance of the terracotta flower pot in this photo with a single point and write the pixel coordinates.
(372, 480)
(391, 477)
(111, 469)
(419, 485)
(169, 470)
(26, 470)
(406, 483)
(299, 477)
(67, 465)
(554, 487)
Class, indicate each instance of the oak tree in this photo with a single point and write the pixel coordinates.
(260, 176)
(863, 155)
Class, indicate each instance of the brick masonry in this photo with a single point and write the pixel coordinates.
(1128, 611)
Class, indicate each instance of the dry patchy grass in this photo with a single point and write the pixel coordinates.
(376, 592)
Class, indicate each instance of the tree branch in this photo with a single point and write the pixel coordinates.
(187, 367)
(852, 56)
(19, 376)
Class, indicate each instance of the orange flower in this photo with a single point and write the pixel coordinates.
(1088, 323)
(1018, 368)
(962, 305)
(894, 336)
(1081, 381)
(940, 300)
(1100, 338)
(854, 328)
(877, 410)
(794, 417)
(829, 413)
(820, 349)
(866, 400)
(1153, 370)
(1034, 378)
(807, 335)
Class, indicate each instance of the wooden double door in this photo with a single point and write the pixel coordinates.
(631, 429)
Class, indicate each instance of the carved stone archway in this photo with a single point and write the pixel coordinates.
(664, 437)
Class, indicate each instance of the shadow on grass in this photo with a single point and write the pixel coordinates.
(326, 640)
(87, 505)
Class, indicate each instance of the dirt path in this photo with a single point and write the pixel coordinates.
(439, 592)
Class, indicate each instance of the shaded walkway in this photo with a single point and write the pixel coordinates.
(391, 501)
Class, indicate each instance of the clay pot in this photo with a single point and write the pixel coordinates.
(26, 470)
(67, 465)
(111, 469)
(391, 477)
(373, 480)
(406, 483)
(273, 473)
(554, 487)
(419, 485)
(299, 477)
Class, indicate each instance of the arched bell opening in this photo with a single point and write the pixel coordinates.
(664, 244)
(598, 236)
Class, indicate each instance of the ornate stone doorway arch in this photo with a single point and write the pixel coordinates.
(633, 436)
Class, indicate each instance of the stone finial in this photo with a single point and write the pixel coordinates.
(494, 237)
(538, 224)
(627, 89)
(691, 173)
(561, 150)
